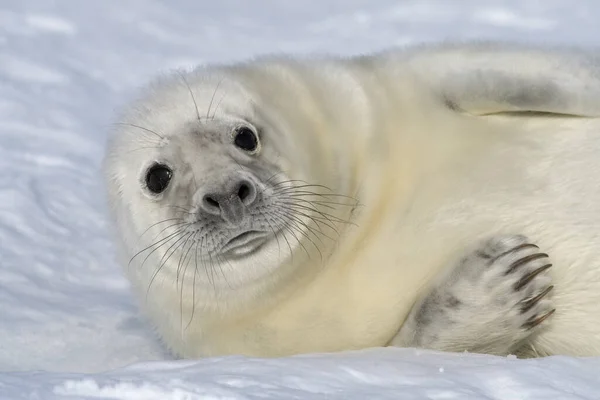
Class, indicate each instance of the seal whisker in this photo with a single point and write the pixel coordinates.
(194, 282)
(267, 183)
(213, 98)
(218, 104)
(160, 222)
(186, 263)
(210, 277)
(217, 263)
(296, 223)
(286, 225)
(328, 220)
(191, 94)
(275, 234)
(173, 248)
(317, 222)
(140, 127)
(152, 245)
(311, 206)
(220, 265)
(182, 236)
(311, 202)
(163, 242)
(307, 226)
(317, 233)
(330, 206)
(304, 194)
(293, 183)
(182, 257)
(282, 234)
(303, 182)
(306, 185)
(194, 286)
(301, 197)
(330, 217)
(143, 148)
(178, 224)
(298, 193)
(181, 209)
(290, 185)
(222, 261)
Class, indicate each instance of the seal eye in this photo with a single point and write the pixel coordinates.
(245, 139)
(158, 178)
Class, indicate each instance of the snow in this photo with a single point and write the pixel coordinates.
(369, 374)
(68, 326)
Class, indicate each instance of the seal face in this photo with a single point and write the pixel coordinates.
(226, 207)
(210, 195)
(213, 203)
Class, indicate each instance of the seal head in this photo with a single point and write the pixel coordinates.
(201, 191)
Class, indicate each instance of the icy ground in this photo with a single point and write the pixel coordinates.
(68, 325)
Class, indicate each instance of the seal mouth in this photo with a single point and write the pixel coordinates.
(245, 243)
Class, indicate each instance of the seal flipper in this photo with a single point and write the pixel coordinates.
(491, 78)
(492, 301)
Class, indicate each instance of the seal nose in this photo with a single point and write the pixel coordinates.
(231, 204)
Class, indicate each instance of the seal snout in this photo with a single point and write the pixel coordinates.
(230, 200)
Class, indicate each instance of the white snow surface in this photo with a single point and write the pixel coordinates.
(69, 328)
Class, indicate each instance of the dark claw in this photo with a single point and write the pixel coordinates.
(525, 260)
(519, 247)
(532, 323)
(527, 278)
(527, 304)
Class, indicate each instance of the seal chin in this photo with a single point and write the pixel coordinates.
(245, 243)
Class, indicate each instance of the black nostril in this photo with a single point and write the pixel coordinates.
(211, 202)
(243, 191)
(229, 200)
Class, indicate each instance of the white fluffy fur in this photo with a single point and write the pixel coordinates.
(405, 133)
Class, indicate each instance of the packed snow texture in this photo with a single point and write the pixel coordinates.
(68, 325)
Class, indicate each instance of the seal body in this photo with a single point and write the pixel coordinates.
(369, 175)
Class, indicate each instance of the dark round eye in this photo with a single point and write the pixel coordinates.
(245, 139)
(158, 178)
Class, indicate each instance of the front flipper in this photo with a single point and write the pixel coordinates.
(489, 78)
(490, 302)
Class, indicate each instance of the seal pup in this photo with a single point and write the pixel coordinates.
(286, 205)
